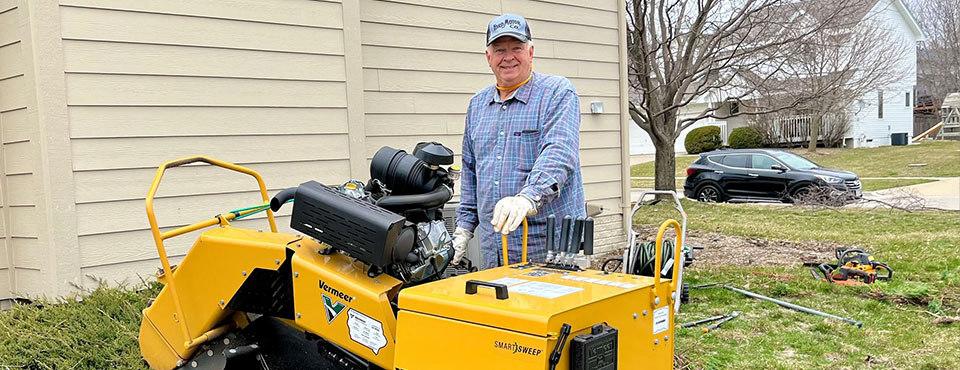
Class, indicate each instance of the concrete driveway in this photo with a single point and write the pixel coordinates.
(944, 193)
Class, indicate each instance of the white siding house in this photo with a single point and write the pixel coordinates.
(869, 129)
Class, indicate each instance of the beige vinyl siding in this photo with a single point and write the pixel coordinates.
(18, 216)
(298, 90)
(258, 83)
(424, 59)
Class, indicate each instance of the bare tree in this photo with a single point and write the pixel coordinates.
(938, 57)
(835, 127)
(681, 51)
(850, 58)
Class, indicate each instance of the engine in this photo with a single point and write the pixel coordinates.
(393, 223)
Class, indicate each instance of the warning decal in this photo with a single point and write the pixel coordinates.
(509, 281)
(366, 331)
(544, 290)
(661, 320)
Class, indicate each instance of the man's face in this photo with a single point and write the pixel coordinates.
(510, 60)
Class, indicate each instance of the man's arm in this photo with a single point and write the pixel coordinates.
(558, 149)
(467, 217)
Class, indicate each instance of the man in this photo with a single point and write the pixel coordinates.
(521, 151)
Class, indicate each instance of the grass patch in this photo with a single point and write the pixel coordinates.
(897, 333)
(942, 159)
(646, 169)
(880, 184)
(99, 332)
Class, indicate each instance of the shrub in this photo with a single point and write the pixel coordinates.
(745, 137)
(702, 139)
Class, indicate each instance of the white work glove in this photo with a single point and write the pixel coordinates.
(461, 237)
(510, 212)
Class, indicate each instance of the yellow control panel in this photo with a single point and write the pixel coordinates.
(469, 316)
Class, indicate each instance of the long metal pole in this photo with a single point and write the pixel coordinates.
(698, 322)
(793, 306)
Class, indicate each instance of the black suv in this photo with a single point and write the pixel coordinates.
(762, 175)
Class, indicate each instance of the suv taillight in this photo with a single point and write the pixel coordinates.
(691, 171)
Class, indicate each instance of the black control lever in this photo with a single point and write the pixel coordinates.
(564, 234)
(551, 232)
(577, 235)
(588, 236)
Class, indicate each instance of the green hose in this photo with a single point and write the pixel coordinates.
(646, 258)
(258, 208)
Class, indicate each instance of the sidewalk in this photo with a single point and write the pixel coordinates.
(641, 158)
(944, 193)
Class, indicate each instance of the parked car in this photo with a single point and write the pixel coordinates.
(763, 175)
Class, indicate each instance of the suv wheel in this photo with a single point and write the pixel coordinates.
(709, 193)
(800, 193)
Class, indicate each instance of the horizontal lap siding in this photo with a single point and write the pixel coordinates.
(258, 83)
(424, 59)
(19, 228)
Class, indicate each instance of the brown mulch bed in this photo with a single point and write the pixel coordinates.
(728, 250)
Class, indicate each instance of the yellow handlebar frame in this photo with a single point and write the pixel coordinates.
(503, 239)
(159, 237)
(658, 261)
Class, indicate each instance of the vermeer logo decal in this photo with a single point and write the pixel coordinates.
(332, 308)
(517, 348)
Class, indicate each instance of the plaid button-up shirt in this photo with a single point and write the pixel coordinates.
(530, 145)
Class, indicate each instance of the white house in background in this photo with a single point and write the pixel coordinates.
(877, 117)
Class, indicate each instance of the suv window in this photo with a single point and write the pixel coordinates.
(737, 160)
(763, 162)
(717, 158)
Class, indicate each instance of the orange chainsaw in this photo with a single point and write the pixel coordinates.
(853, 267)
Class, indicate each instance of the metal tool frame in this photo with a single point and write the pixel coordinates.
(632, 249)
(159, 237)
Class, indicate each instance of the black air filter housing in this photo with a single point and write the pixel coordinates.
(369, 233)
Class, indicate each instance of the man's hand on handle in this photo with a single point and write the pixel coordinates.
(510, 212)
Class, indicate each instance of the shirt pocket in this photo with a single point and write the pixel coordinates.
(529, 148)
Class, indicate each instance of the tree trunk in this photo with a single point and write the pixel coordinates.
(665, 167)
(814, 132)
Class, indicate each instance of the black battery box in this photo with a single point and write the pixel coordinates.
(594, 351)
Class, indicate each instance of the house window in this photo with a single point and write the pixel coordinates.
(908, 99)
(879, 104)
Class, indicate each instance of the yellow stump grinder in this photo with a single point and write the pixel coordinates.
(368, 286)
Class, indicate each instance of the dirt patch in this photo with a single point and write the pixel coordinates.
(728, 250)
(879, 295)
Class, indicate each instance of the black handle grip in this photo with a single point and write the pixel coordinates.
(576, 235)
(551, 232)
(883, 266)
(564, 241)
(499, 288)
(588, 236)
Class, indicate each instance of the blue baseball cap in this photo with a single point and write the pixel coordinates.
(508, 25)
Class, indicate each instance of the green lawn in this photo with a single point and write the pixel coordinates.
(646, 169)
(942, 159)
(880, 184)
(921, 247)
